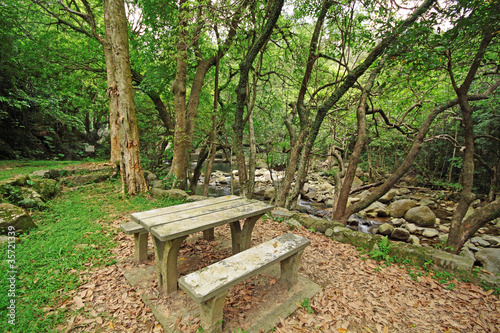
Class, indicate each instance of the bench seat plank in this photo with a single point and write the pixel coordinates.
(132, 228)
(213, 280)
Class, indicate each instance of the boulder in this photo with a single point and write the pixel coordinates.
(14, 217)
(478, 241)
(282, 212)
(427, 202)
(377, 208)
(269, 193)
(385, 229)
(157, 184)
(47, 188)
(413, 240)
(316, 223)
(356, 183)
(149, 176)
(399, 207)
(293, 224)
(31, 199)
(490, 259)
(421, 215)
(493, 240)
(173, 193)
(400, 234)
(386, 198)
(430, 233)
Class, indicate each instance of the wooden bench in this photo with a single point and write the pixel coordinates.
(209, 286)
(140, 239)
(169, 226)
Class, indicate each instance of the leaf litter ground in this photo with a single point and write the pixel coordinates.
(357, 295)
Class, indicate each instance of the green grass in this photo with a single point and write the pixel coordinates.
(9, 169)
(49, 258)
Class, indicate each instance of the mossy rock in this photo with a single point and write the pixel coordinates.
(47, 188)
(13, 218)
(315, 223)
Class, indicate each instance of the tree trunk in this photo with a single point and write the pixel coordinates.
(458, 227)
(296, 142)
(343, 195)
(180, 161)
(122, 98)
(213, 134)
(347, 83)
(241, 91)
(412, 154)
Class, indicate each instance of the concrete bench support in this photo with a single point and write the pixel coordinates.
(209, 286)
(140, 240)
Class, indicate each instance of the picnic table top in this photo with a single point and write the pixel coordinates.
(176, 221)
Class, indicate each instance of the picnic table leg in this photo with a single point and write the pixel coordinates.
(141, 247)
(166, 263)
(209, 234)
(242, 238)
(290, 269)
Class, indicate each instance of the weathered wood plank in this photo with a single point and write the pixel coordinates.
(189, 225)
(217, 278)
(179, 208)
(132, 228)
(195, 212)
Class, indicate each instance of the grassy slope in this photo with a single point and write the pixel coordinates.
(73, 234)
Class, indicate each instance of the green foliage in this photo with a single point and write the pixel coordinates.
(382, 251)
(305, 304)
(73, 234)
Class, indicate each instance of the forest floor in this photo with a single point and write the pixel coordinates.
(358, 294)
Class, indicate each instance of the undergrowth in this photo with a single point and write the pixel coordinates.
(73, 235)
(448, 280)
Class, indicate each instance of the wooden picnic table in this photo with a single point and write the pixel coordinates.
(169, 227)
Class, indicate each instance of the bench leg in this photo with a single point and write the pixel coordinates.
(209, 234)
(211, 313)
(290, 269)
(242, 238)
(166, 263)
(141, 247)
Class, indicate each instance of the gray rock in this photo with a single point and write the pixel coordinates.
(400, 234)
(397, 222)
(386, 198)
(293, 224)
(41, 173)
(13, 218)
(478, 241)
(329, 232)
(173, 193)
(282, 212)
(427, 202)
(413, 240)
(356, 183)
(47, 188)
(403, 191)
(316, 223)
(412, 228)
(493, 240)
(359, 172)
(443, 238)
(430, 233)
(269, 193)
(149, 176)
(196, 198)
(385, 229)
(157, 184)
(422, 216)
(399, 207)
(490, 259)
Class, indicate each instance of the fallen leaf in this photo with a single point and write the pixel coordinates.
(78, 302)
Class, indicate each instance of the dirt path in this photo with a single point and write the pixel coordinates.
(358, 294)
